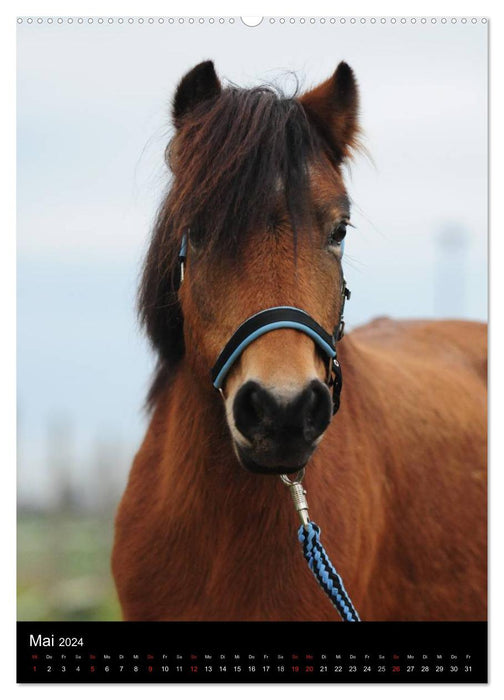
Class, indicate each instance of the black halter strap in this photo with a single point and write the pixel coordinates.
(284, 317)
(264, 322)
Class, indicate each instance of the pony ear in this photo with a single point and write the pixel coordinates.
(199, 85)
(333, 107)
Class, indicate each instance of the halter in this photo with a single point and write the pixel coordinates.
(272, 319)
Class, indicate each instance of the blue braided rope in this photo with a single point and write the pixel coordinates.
(325, 573)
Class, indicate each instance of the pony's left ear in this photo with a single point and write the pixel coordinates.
(199, 85)
(333, 107)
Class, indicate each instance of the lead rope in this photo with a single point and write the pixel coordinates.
(314, 553)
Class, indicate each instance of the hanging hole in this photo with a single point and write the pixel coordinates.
(251, 21)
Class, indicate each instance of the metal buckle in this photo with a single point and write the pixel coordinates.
(182, 256)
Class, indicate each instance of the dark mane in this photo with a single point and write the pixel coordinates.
(231, 157)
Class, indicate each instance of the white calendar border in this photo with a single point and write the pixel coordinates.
(107, 8)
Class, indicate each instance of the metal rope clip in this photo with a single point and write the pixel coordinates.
(298, 494)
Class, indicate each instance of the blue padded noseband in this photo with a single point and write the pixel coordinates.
(264, 322)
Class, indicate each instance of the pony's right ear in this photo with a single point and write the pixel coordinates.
(199, 85)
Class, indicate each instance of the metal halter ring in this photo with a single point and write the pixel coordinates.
(297, 479)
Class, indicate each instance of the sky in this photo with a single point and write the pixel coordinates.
(93, 122)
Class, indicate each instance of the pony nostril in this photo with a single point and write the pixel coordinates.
(317, 410)
(251, 408)
(256, 404)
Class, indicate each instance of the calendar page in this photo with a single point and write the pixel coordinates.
(252, 303)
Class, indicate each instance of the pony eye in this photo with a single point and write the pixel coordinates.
(338, 234)
(195, 236)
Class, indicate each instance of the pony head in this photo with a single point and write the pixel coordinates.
(258, 194)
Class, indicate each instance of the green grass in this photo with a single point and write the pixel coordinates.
(64, 568)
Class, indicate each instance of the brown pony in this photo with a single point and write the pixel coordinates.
(396, 481)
